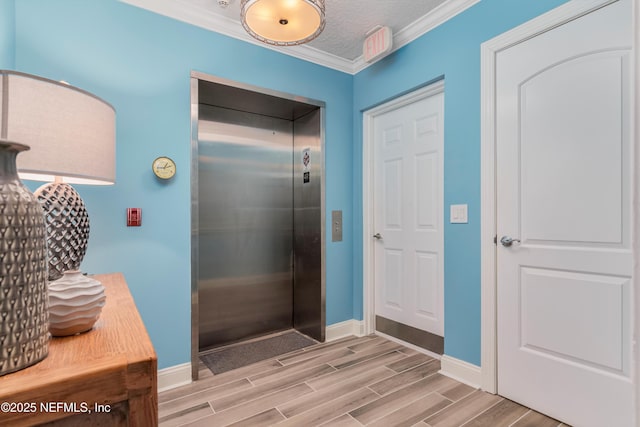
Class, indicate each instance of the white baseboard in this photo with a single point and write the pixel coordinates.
(460, 370)
(344, 329)
(174, 376)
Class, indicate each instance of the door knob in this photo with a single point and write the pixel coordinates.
(378, 236)
(508, 241)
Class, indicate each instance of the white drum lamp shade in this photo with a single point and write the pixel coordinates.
(70, 131)
(71, 134)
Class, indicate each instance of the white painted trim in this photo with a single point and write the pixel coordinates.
(344, 329)
(368, 291)
(635, 239)
(204, 18)
(174, 376)
(461, 371)
(489, 50)
(428, 22)
(488, 326)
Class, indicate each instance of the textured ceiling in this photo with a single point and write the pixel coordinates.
(347, 24)
(348, 21)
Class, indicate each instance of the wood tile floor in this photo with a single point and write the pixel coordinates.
(349, 382)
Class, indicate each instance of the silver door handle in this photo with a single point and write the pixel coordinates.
(508, 241)
(378, 236)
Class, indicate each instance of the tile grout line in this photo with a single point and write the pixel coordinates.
(355, 364)
(310, 386)
(197, 419)
(283, 415)
(254, 399)
(480, 413)
(437, 412)
(413, 367)
(179, 414)
(365, 360)
(415, 399)
(317, 356)
(468, 394)
(523, 415)
(326, 424)
(208, 389)
(368, 386)
(295, 373)
(406, 384)
(445, 398)
(355, 419)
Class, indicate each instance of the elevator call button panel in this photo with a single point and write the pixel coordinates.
(336, 226)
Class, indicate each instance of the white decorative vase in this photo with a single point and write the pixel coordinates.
(75, 303)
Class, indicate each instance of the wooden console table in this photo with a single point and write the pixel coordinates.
(107, 376)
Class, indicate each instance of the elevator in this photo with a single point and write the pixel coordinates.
(257, 214)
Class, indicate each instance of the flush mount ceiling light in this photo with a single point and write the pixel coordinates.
(283, 22)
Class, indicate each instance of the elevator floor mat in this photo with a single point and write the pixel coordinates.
(243, 354)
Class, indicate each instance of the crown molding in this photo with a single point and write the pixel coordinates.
(204, 18)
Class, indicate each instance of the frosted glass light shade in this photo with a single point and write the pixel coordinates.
(70, 131)
(283, 22)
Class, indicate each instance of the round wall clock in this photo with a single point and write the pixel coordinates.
(164, 167)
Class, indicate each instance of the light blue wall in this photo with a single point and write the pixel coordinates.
(453, 51)
(7, 34)
(141, 63)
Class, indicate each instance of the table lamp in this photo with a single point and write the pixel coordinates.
(71, 134)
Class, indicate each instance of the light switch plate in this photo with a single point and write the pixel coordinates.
(459, 214)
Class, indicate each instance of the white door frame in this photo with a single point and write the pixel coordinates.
(489, 50)
(368, 261)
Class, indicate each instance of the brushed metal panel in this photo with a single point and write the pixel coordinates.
(424, 339)
(195, 327)
(245, 225)
(232, 95)
(336, 226)
(234, 98)
(308, 295)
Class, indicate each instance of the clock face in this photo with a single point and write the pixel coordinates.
(164, 167)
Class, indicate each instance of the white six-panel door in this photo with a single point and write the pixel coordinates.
(564, 168)
(408, 212)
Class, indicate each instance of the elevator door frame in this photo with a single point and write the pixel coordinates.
(196, 78)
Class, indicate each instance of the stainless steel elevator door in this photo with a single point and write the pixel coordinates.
(245, 225)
